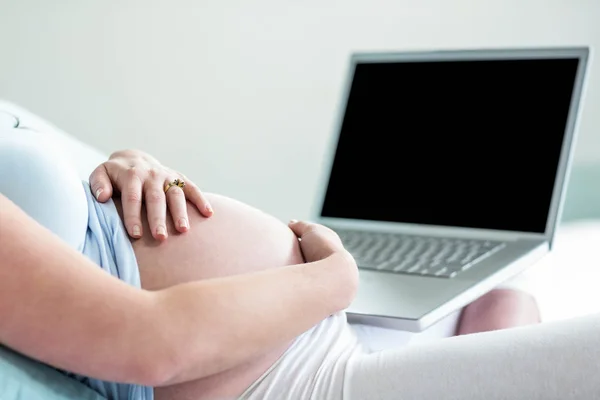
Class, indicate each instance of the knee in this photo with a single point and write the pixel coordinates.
(499, 309)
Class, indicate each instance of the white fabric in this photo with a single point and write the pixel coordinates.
(315, 365)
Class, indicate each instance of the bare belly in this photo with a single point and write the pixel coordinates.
(236, 239)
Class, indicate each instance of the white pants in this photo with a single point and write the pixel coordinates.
(554, 360)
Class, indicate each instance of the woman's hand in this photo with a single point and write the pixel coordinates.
(140, 177)
(319, 243)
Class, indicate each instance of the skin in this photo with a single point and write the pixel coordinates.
(157, 337)
(236, 240)
(242, 239)
(499, 309)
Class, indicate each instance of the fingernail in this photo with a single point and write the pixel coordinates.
(161, 231)
(99, 192)
(183, 223)
(136, 230)
(293, 221)
(209, 209)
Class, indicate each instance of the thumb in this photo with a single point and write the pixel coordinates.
(100, 184)
(301, 228)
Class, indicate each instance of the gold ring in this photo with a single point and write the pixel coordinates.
(177, 182)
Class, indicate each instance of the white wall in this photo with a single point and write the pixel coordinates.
(241, 95)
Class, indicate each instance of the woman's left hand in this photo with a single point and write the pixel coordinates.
(140, 177)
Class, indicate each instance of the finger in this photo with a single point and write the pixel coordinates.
(100, 183)
(301, 228)
(131, 198)
(178, 208)
(197, 198)
(156, 207)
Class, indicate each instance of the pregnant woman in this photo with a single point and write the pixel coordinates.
(220, 300)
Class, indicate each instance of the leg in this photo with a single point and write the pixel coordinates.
(555, 360)
(499, 309)
(513, 303)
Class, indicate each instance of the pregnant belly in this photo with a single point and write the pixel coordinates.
(237, 239)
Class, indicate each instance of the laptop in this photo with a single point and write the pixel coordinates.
(447, 172)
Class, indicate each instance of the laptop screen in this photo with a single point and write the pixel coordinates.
(472, 144)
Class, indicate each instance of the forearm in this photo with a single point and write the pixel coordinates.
(57, 307)
(228, 321)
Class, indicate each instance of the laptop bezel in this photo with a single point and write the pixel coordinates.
(565, 160)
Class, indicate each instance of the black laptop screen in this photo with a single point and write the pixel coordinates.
(454, 143)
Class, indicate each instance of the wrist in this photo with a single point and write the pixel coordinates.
(343, 275)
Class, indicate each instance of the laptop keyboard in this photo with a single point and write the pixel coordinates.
(416, 255)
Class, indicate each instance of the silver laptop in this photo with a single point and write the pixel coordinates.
(447, 172)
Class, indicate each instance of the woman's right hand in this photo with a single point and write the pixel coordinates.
(319, 243)
(140, 178)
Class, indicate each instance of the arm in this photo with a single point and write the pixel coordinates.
(56, 306)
